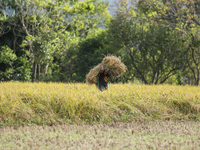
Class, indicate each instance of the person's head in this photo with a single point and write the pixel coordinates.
(105, 70)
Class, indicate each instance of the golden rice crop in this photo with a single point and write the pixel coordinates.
(48, 103)
(113, 63)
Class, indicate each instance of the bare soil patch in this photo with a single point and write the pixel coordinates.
(136, 135)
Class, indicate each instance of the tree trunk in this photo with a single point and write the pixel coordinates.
(34, 71)
(45, 71)
(39, 71)
(197, 78)
(197, 82)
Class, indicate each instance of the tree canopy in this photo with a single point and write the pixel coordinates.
(45, 40)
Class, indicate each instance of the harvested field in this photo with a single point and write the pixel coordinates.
(136, 135)
(159, 116)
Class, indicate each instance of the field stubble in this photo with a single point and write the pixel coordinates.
(160, 135)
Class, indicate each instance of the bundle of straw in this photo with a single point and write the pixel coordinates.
(91, 77)
(113, 63)
(115, 66)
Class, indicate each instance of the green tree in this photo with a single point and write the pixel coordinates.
(193, 57)
(151, 47)
(51, 28)
(183, 16)
(13, 72)
(91, 52)
(7, 56)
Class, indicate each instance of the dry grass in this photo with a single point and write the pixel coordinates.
(136, 135)
(91, 77)
(52, 103)
(116, 67)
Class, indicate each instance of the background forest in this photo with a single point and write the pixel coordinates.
(61, 40)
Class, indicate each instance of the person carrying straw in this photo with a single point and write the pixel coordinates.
(111, 66)
(103, 77)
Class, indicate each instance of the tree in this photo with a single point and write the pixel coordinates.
(151, 47)
(91, 51)
(21, 71)
(183, 16)
(7, 56)
(51, 26)
(193, 57)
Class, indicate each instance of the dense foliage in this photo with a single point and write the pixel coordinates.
(61, 41)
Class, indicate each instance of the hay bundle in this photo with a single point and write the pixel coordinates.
(113, 63)
(91, 77)
(115, 66)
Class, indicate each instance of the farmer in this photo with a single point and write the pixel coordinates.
(103, 78)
